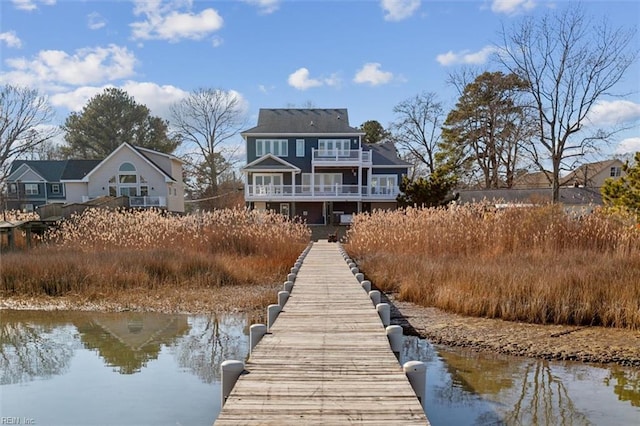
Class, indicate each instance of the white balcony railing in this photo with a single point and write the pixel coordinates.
(147, 202)
(320, 192)
(341, 156)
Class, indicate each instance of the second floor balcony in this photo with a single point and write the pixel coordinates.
(341, 157)
(320, 192)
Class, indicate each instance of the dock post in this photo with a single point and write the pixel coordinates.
(366, 285)
(374, 295)
(294, 270)
(282, 298)
(384, 310)
(288, 286)
(272, 314)
(291, 277)
(256, 331)
(416, 372)
(351, 264)
(360, 277)
(355, 270)
(230, 371)
(394, 333)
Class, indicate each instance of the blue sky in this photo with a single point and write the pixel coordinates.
(364, 55)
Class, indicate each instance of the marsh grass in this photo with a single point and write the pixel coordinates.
(536, 265)
(102, 254)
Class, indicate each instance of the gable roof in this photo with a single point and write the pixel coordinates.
(270, 163)
(125, 145)
(303, 121)
(56, 170)
(385, 154)
(586, 172)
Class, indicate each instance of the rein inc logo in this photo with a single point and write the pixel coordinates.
(17, 421)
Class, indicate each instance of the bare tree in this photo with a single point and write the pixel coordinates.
(569, 63)
(417, 127)
(207, 121)
(25, 123)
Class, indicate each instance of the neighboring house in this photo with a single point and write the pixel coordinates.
(148, 178)
(312, 164)
(531, 180)
(593, 175)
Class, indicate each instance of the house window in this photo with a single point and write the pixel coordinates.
(323, 182)
(264, 184)
(31, 189)
(616, 172)
(13, 188)
(277, 147)
(299, 147)
(127, 182)
(384, 184)
(55, 188)
(333, 147)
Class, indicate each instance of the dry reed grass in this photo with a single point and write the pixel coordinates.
(537, 265)
(104, 254)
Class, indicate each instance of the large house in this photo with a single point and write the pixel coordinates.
(146, 177)
(312, 164)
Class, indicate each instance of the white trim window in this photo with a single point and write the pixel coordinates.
(384, 184)
(277, 147)
(55, 188)
(334, 147)
(299, 147)
(615, 172)
(31, 189)
(323, 182)
(266, 184)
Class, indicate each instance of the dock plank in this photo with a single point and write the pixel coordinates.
(325, 360)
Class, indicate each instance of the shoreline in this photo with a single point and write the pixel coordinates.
(598, 345)
(552, 342)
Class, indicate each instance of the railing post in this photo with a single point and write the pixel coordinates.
(230, 372)
(394, 333)
(272, 314)
(384, 311)
(374, 295)
(416, 372)
(256, 332)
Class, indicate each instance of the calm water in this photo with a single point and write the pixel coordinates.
(68, 368)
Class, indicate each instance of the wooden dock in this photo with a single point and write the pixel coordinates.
(326, 359)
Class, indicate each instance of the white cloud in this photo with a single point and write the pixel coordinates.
(163, 21)
(95, 21)
(265, 6)
(53, 68)
(30, 5)
(397, 10)
(11, 39)
(466, 57)
(217, 41)
(157, 98)
(629, 145)
(512, 7)
(372, 74)
(611, 113)
(300, 80)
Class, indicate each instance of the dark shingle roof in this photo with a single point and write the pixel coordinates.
(573, 196)
(303, 121)
(385, 154)
(56, 170)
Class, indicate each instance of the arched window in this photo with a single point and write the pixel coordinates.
(128, 182)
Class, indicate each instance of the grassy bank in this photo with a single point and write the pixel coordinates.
(114, 256)
(536, 265)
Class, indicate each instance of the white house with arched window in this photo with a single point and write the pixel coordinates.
(148, 178)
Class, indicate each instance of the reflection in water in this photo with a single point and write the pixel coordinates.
(496, 389)
(129, 341)
(214, 340)
(160, 369)
(34, 345)
(626, 385)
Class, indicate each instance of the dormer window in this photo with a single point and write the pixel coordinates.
(616, 172)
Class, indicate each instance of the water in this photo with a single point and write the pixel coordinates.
(77, 368)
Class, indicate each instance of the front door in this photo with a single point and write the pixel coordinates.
(284, 209)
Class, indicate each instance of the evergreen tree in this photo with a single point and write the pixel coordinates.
(110, 119)
(624, 193)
